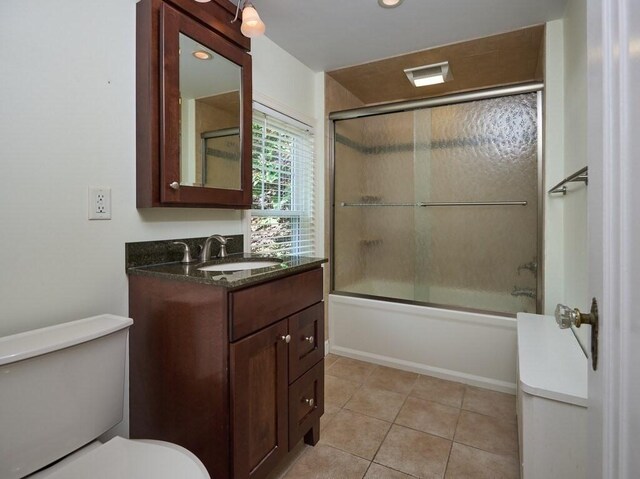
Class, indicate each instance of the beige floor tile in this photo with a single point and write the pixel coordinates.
(338, 391)
(329, 359)
(376, 402)
(290, 459)
(488, 433)
(376, 471)
(414, 452)
(392, 380)
(324, 462)
(330, 412)
(350, 369)
(490, 403)
(439, 390)
(355, 433)
(469, 463)
(429, 416)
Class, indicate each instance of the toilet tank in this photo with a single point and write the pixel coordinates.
(60, 388)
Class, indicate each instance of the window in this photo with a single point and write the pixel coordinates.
(282, 215)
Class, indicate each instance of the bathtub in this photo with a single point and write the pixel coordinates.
(473, 348)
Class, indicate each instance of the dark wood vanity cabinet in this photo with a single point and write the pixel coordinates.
(237, 377)
(193, 115)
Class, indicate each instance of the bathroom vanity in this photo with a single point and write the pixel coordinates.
(228, 365)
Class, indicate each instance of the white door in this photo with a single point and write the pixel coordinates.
(614, 235)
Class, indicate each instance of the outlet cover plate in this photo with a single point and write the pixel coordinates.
(99, 203)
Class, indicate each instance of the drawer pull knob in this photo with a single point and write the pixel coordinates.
(286, 338)
(310, 402)
(309, 339)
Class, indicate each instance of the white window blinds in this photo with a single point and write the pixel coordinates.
(282, 215)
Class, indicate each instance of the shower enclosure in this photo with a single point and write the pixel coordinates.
(437, 202)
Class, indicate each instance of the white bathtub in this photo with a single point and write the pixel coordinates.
(477, 349)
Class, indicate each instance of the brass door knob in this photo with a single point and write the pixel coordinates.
(567, 317)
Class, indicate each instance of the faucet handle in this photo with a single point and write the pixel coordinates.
(223, 240)
(186, 257)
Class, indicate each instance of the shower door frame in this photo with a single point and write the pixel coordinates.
(453, 99)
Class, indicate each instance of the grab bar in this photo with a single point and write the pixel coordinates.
(580, 175)
(452, 203)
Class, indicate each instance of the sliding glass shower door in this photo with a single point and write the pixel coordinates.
(440, 205)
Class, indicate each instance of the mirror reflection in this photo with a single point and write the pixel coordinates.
(210, 118)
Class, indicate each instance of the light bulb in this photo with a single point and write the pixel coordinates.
(251, 26)
(389, 3)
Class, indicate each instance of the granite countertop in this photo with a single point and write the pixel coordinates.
(177, 271)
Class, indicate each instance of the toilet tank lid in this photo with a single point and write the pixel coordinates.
(18, 347)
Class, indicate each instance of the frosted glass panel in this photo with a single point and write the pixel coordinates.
(388, 243)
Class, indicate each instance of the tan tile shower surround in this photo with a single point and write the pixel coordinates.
(383, 423)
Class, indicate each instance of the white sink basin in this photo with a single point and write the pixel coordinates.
(239, 266)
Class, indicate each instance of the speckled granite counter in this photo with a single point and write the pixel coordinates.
(161, 259)
(229, 279)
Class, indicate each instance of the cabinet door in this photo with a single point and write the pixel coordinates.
(259, 401)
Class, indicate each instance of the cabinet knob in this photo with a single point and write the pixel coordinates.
(286, 339)
(309, 339)
(310, 402)
(174, 185)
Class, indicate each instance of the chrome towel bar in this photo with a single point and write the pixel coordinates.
(580, 175)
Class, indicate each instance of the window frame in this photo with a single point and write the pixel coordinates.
(282, 114)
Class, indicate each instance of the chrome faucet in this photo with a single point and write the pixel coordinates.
(205, 252)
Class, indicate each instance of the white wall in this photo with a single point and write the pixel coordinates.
(575, 152)
(67, 122)
(554, 166)
(284, 83)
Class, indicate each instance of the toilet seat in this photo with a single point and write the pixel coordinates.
(122, 458)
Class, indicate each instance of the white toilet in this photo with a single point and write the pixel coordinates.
(60, 388)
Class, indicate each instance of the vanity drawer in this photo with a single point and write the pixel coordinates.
(307, 340)
(254, 308)
(306, 403)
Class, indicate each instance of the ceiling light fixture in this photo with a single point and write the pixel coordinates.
(389, 3)
(202, 55)
(429, 74)
(252, 26)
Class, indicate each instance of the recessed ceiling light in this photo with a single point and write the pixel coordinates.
(429, 74)
(202, 55)
(389, 3)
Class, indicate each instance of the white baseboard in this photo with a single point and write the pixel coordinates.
(326, 347)
(472, 380)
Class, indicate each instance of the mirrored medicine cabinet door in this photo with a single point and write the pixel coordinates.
(209, 117)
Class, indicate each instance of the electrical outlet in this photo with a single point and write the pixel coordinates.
(99, 203)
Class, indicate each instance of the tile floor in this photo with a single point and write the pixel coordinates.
(383, 423)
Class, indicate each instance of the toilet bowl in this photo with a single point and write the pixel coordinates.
(121, 458)
(61, 388)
